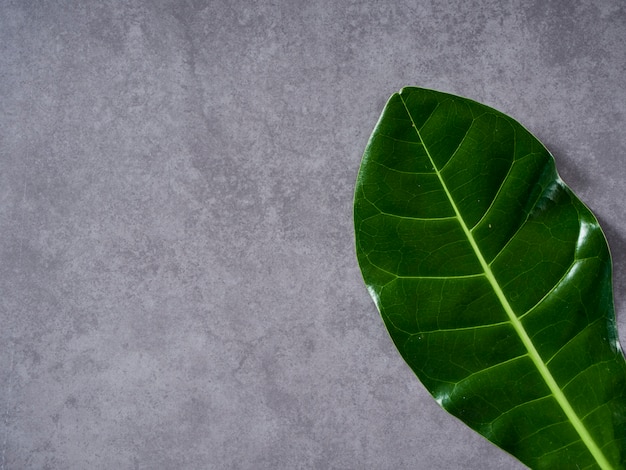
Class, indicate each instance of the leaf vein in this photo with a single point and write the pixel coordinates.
(534, 355)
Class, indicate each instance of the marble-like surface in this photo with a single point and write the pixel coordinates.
(177, 272)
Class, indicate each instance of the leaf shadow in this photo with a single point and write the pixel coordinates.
(573, 175)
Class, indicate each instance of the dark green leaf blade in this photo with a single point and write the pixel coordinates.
(493, 279)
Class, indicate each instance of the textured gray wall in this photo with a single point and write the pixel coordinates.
(178, 287)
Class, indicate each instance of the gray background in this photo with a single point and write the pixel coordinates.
(178, 285)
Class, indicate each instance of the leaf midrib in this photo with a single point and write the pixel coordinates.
(541, 366)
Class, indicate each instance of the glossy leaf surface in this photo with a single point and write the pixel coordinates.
(493, 280)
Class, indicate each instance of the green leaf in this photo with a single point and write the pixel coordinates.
(493, 279)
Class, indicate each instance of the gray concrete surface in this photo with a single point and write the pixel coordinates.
(177, 277)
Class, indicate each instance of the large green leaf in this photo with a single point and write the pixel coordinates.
(493, 279)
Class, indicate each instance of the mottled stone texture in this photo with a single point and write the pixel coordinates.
(177, 274)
